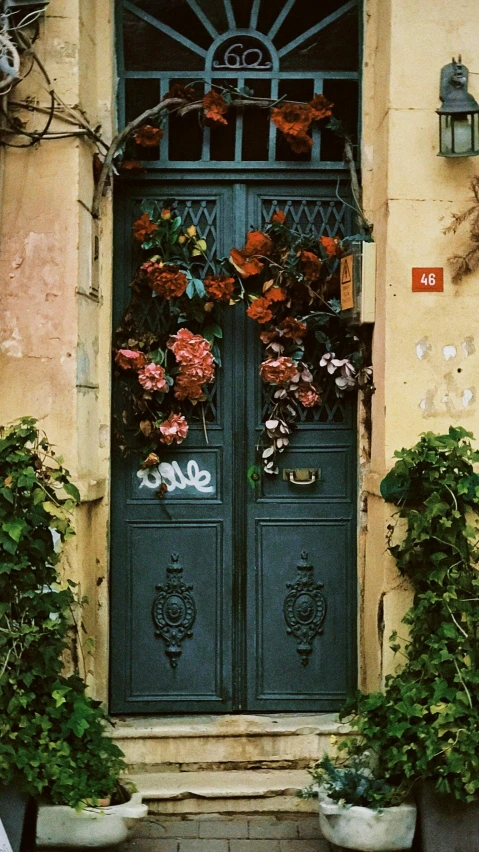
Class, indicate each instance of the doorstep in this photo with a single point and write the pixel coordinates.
(186, 743)
(250, 791)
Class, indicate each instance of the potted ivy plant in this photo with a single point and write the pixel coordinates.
(424, 727)
(53, 744)
(357, 809)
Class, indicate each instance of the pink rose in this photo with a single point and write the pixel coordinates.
(174, 428)
(152, 378)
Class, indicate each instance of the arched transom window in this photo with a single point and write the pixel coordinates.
(289, 49)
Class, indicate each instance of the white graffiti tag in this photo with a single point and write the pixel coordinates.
(173, 477)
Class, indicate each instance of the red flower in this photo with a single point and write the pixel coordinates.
(130, 359)
(246, 266)
(219, 287)
(278, 371)
(279, 216)
(320, 107)
(258, 243)
(308, 396)
(260, 311)
(276, 294)
(215, 108)
(268, 337)
(292, 328)
(174, 428)
(331, 246)
(143, 228)
(167, 280)
(149, 136)
(311, 265)
(153, 378)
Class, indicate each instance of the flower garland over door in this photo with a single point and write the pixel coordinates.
(167, 348)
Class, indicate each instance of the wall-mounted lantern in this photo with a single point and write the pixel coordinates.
(458, 115)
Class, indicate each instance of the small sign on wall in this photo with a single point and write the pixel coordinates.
(428, 279)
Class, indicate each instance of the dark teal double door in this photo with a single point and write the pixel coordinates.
(230, 595)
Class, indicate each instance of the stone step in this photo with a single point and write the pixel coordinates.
(224, 792)
(227, 742)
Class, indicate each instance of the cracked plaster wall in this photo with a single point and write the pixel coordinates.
(54, 336)
(425, 348)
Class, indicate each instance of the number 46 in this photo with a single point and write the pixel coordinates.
(429, 280)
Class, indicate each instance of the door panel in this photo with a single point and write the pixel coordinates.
(260, 634)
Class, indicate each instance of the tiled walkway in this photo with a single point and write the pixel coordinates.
(242, 833)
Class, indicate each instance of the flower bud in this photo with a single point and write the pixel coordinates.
(208, 307)
(165, 215)
(191, 231)
(182, 239)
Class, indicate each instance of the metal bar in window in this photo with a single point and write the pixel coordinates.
(149, 19)
(230, 15)
(281, 17)
(263, 75)
(205, 151)
(239, 128)
(120, 35)
(253, 21)
(164, 145)
(202, 17)
(316, 149)
(272, 127)
(317, 28)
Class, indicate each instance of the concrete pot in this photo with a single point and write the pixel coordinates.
(446, 825)
(13, 806)
(366, 830)
(61, 826)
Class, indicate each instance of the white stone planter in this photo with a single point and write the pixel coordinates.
(61, 826)
(366, 830)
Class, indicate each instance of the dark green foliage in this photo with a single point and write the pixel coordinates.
(426, 724)
(352, 783)
(51, 733)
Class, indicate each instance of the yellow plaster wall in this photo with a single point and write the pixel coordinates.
(54, 334)
(425, 352)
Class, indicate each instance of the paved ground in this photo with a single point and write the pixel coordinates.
(214, 833)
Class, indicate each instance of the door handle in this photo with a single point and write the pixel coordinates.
(301, 475)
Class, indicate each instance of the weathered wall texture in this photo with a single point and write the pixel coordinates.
(55, 333)
(425, 345)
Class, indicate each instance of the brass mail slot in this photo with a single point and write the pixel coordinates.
(301, 475)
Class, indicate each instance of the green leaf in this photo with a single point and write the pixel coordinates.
(72, 490)
(14, 528)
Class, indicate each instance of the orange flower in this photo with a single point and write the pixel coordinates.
(279, 216)
(149, 136)
(311, 265)
(331, 246)
(258, 243)
(143, 228)
(260, 311)
(320, 107)
(130, 359)
(246, 266)
(215, 108)
(167, 280)
(268, 337)
(300, 143)
(292, 119)
(219, 287)
(247, 260)
(276, 294)
(186, 93)
(292, 328)
(278, 371)
(174, 428)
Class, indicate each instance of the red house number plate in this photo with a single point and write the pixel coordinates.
(428, 279)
